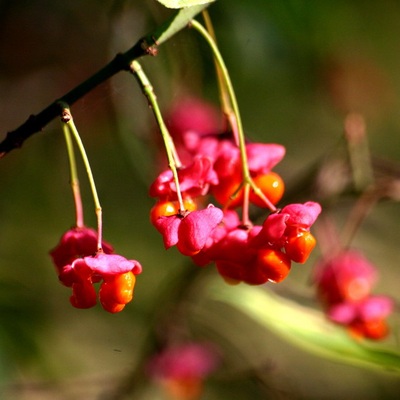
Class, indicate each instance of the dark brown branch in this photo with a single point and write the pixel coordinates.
(145, 46)
(35, 123)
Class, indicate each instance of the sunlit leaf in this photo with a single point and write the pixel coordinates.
(303, 326)
(183, 3)
(176, 23)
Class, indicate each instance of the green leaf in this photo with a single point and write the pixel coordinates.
(303, 326)
(176, 23)
(183, 3)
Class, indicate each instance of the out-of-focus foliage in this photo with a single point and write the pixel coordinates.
(304, 326)
(298, 68)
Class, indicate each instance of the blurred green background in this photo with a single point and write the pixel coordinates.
(298, 68)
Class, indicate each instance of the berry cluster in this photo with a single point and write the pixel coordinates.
(344, 286)
(182, 369)
(80, 264)
(213, 166)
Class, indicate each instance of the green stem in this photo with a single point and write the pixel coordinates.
(73, 130)
(236, 124)
(222, 87)
(74, 181)
(173, 160)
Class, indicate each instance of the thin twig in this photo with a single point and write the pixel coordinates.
(121, 62)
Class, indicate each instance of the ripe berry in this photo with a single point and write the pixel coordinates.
(113, 307)
(271, 185)
(166, 208)
(300, 245)
(233, 273)
(118, 288)
(272, 265)
(227, 188)
(372, 329)
(116, 291)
